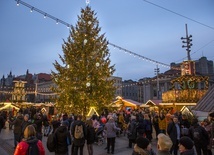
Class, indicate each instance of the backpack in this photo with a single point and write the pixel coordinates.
(197, 134)
(51, 142)
(78, 132)
(33, 148)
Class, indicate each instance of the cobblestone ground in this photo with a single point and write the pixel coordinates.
(7, 146)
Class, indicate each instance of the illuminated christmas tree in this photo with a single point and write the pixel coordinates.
(83, 80)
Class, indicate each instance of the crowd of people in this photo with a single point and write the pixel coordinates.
(174, 132)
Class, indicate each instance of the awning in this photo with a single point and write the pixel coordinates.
(206, 103)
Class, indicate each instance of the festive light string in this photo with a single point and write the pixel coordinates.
(69, 25)
(32, 90)
(131, 53)
(32, 8)
(143, 57)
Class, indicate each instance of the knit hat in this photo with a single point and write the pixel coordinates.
(186, 142)
(142, 142)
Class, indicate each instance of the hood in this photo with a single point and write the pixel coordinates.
(62, 129)
(140, 150)
(31, 140)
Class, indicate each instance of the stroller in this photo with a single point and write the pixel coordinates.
(99, 135)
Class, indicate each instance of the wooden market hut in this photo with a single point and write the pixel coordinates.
(152, 105)
(124, 104)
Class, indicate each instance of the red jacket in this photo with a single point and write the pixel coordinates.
(22, 148)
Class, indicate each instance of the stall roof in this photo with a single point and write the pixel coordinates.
(153, 102)
(206, 103)
(127, 102)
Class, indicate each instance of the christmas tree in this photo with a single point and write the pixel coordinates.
(84, 78)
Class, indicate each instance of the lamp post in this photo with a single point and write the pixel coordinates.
(157, 70)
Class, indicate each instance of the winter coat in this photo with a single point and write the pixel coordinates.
(17, 127)
(163, 152)
(204, 140)
(141, 127)
(81, 141)
(61, 135)
(172, 132)
(148, 125)
(55, 125)
(22, 147)
(188, 152)
(139, 151)
(132, 129)
(185, 123)
(90, 135)
(162, 123)
(111, 129)
(155, 123)
(208, 128)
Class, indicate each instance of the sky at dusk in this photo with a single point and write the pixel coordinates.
(30, 41)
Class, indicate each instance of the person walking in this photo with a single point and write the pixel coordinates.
(111, 131)
(200, 137)
(185, 125)
(155, 123)
(63, 139)
(174, 132)
(162, 123)
(17, 128)
(90, 136)
(132, 131)
(79, 133)
(24, 124)
(30, 144)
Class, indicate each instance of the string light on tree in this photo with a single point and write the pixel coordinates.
(88, 84)
(95, 22)
(97, 64)
(85, 41)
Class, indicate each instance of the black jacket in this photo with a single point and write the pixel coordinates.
(188, 152)
(90, 135)
(61, 136)
(172, 132)
(78, 142)
(204, 140)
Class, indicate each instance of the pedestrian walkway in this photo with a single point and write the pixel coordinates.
(7, 145)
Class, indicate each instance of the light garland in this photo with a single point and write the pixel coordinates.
(32, 8)
(45, 14)
(125, 50)
(143, 57)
